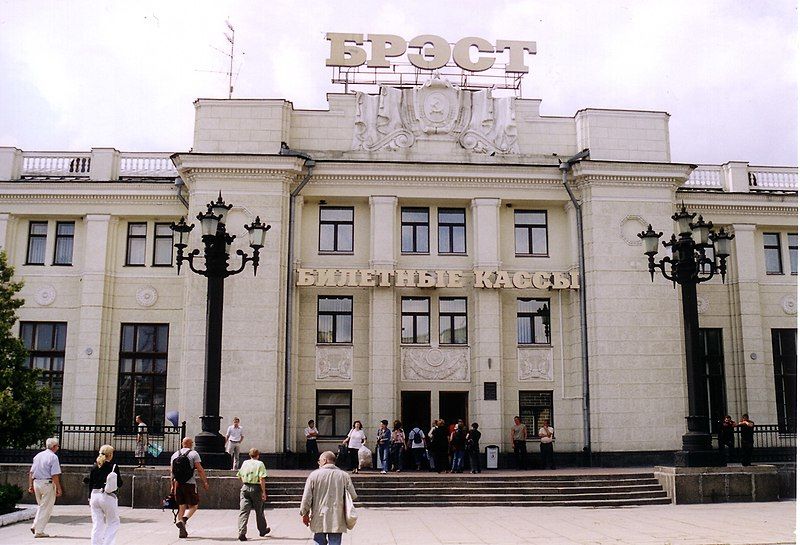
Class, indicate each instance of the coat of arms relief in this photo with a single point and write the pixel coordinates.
(399, 118)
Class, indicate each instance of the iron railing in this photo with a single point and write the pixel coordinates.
(771, 443)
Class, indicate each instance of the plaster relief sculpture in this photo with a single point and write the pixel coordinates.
(789, 305)
(437, 110)
(334, 362)
(45, 296)
(629, 227)
(535, 363)
(446, 364)
(146, 296)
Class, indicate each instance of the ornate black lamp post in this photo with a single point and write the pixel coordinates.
(216, 252)
(689, 265)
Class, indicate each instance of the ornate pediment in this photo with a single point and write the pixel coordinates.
(400, 118)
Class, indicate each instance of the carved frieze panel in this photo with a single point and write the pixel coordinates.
(535, 363)
(334, 362)
(445, 364)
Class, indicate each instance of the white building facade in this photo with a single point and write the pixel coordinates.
(433, 272)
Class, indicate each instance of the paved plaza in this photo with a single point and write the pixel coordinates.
(739, 523)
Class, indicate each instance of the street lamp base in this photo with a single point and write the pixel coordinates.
(699, 458)
(211, 445)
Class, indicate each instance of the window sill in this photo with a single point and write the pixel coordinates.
(335, 344)
(531, 255)
(455, 254)
(323, 252)
(535, 345)
(415, 253)
(163, 266)
(417, 345)
(134, 265)
(61, 264)
(34, 264)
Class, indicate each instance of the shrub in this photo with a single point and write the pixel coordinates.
(10, 494)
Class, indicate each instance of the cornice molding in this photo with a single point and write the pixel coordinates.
(82, 198)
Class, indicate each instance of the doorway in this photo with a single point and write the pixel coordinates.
(415, 410)
(453, 406)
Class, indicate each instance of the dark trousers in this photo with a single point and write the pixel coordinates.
(520, 454)
(397, 456)
(747, 453)
(440, 460)
(312, 451)
(547, 455)
(474, 461)
(417, 454)
(353, 452)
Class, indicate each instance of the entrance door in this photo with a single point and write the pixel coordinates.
(453, 406)
(415, 410)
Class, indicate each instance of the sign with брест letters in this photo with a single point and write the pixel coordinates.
(434, 52)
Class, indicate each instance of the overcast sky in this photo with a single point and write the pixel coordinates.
(78, 74)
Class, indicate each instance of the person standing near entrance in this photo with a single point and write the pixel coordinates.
(519, 436)
(253, 494)
(416, 442)
(383, 439)
(44, 482)
(234, 436)
(354, 440)
(546, 438)
(141, 441)
(746, 429)
(398, 445)
(183, 465)
(474, 448)
(323, 505)
(458, 442)
(311, 433)
(439, 446)
(726, 435)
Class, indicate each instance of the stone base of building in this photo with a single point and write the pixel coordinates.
(685, 485)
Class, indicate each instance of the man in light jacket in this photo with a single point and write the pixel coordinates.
(323, 504)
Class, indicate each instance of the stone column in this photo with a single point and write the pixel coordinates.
(485, 316)
(4, 218)
(383, 330)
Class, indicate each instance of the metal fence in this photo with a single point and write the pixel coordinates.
(771, 443)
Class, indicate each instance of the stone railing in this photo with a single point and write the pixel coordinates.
(772, 179)
(55, 165)
(133, 165)
(705, 177)
(740, 177)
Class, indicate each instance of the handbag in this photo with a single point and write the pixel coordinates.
(111, 481)
(154, 449)
(350, 515)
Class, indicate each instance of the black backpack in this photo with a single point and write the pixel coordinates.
(182, 469)
(417, 436)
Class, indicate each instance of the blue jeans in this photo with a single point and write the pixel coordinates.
(458, 460)
(383, 456)
(328, 539)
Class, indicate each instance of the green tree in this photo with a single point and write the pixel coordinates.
(26, 413)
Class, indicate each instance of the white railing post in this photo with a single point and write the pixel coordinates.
(736, 177)
(105, 164)
(10, 163)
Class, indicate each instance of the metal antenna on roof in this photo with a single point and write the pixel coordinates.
(230, 36)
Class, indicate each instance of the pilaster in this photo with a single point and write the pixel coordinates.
(486, 232)
(487, 363)
(383, 232)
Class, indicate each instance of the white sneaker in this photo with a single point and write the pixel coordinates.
(383, 471)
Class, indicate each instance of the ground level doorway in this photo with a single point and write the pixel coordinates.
(453, 406)
(415, 410)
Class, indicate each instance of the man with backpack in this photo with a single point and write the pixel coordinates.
(416, 442)
(183, 464)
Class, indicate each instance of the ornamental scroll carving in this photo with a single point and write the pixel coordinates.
(334, 363)
(450, 364)
(398, 118)
(535, 363)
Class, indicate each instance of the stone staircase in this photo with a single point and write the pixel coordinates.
(429, 490)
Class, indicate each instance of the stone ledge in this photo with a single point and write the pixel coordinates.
(688, 485)
(21, 514)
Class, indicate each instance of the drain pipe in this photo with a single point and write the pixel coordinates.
(565, 167)
(179, 185)
(287, 361)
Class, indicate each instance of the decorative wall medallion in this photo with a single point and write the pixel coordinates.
(146, 296)
(789, 305)
(447, 364)
(702, 305)
(45, 296)
(629, 227)
(535, 363)
(334, 362)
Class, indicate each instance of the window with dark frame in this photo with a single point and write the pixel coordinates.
(452, 231)
(65, 237)
(535, 406)
(162, 245)
(142, 374)
(772, 253)
(334, 412)
(37, 243)
(416, 320)
(414, 230)
(533, 321)
(45, 343)
(452, 320)
(784, 361)
(792, 252)
(490, 391)
(334, 319)
(530, 232)
(335, 229)
(136, 244)
(713, 361)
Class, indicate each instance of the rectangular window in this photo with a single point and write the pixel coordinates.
(452, 320)
(530, 232)
(142, 374)
(37, 240)
(162, 246)
(784, 361)
(714, 363)
(335, 320)
(65, 235)
(534, 408)
(772, 253)
(334, 412)
(137, 240)
(452, 231)
(414, 230)
(335, 229)
(533, 321)
(416, 318)
(490, 391)
(45, 342)
(792, 252)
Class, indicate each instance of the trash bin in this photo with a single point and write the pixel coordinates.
(492, 454)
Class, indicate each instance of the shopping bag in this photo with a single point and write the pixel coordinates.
(350, 515)
(154, 450)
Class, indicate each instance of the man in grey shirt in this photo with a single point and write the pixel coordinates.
(44, 481)
(184, 485)
(519, 434)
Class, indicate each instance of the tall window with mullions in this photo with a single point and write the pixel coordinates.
(65, 236)
(142, 374)
(530, 232)
(45, 342)
(452, 231)
(335, 229)
(452, 320)
(414, 230)
(533, 321)
(334, 320)
(416, 320)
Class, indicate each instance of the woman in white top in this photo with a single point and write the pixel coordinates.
(354, 440)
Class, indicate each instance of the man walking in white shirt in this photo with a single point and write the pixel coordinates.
(234, 437)
(44, 481)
